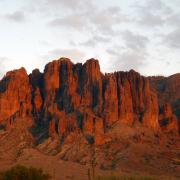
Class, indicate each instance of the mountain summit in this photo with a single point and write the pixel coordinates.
(70, 108)
(70, 97)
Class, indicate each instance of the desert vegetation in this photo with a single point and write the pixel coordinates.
(20, 172)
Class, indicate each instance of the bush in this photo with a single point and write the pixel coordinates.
(19, 172)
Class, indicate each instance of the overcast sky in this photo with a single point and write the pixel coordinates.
(143, 35)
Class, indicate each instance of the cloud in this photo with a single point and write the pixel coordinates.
(127, 32)
(152, 13)
(131, 55)
(173, 20)
(75, 54)
(135, 41)
(172, 39)
(158, 6)
(2, 66)
(77, 22)
(99, 21)
(95, 40)
(44, 43)
(152, 6)
(70, 4)
(59, 8)
(132, 60)
(151, 20)
(127, 60)
(105, 20)
(17, 16)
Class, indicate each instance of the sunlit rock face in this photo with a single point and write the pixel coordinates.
(128, 99)
(77, 98)
(15, 95)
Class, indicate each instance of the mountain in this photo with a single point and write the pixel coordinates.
(69, 97)
(69, 108)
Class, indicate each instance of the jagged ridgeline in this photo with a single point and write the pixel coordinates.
(70, 97)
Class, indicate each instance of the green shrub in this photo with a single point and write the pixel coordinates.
(19, 172)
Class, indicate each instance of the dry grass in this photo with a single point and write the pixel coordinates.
(125, 178)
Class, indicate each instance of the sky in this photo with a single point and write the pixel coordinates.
(143, 35)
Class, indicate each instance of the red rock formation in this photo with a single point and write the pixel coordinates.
(129, 99)
(145, 103)
(52, 129)
(60, 86)
(15, 95)
(79, 98)
(92, 85)
(167, 120)
(168, 90)
(37, 94)
(67, 123)
(37, 100)
(110, 99)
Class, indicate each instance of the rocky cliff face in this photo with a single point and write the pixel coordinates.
(168, 90)
(133, 100)
(15, 96)
(70, 98)
(167, 120)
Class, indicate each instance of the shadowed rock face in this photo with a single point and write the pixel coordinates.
(79, 98)
(167, 120)
(36, 83)
(168, 90)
